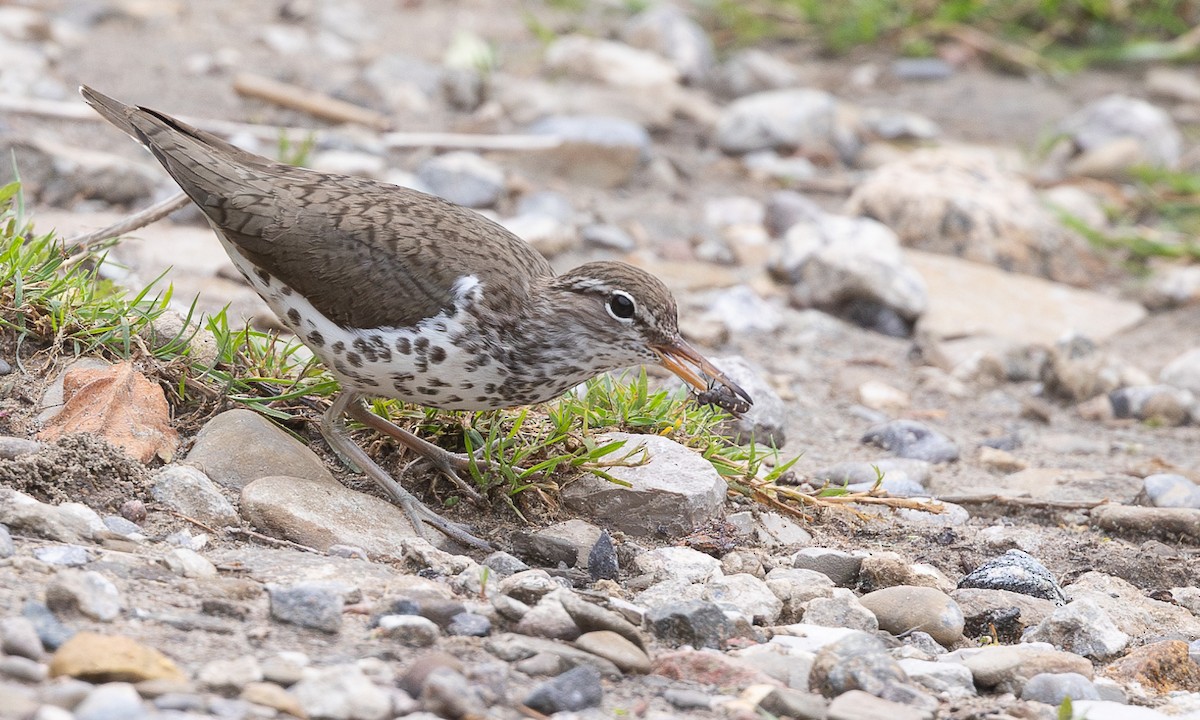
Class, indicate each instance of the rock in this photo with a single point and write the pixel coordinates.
(19, 637)
(1015, 571)
(424, 665)
(548, 619)
(943, 678)
(673, 492)
(60, 175)
(1083, 628)
(576, 689)
(569, 542)
(966, 202)
(608, 62)
(23, 669)
(611, 646)
(6, 543)
(677, 563)
(89, 593)
(1183, 372)
(192, 493)
(785, 119)
(230, 675)
(239, 446)
(270, 695)
(1161, 667)
(591, 617)
(744, 594)
(594, 150)
(1141, 522)
(323, 514)
(111, 701)
(1053, 688)
(708, 667)
(840, 567)
(463, 178)
(602, 561)
(24, 514)
(1006, 668)
(111, 658)
(307, 605)
(1109, 710)
(666, 30)
(858, 705)
(529, 586)
(409, 630)
(503, 564)
(856, 662)
(512, 648)
(841, 609)
(342, 692)
(888, 569)
(447, 694)
(1136, 615)
(469, 625)
(852, 268)
(971, 299)
(766, 421)
(1005, 613)
(698, 623)
(1114, 118)
(189, 563)
(912, 439)
(607, 237)
(752, 70)
(62, 555)
(1170, 490)
(1000, 461)
(1161, 404)
(49, 629)
(548, 235)
(921, 68)
(902, 608)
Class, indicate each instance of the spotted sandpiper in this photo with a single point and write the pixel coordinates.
(404, 295)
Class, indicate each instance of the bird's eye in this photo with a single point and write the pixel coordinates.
(621, 306)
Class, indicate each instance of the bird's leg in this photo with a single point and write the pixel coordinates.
(333, 428)
(447, 462)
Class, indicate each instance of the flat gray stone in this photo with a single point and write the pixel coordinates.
(323, 514)
(672, 493)
(906, 607)
(192, 493)
(240, 446)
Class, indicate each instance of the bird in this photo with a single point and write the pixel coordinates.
(404, 295)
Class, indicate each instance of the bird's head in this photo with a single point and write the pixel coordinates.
(626, 316)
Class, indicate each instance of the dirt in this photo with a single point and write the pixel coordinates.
(79, 468)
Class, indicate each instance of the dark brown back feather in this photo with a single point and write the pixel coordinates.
(331, 237)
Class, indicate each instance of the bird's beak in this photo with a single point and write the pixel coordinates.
(683, 360)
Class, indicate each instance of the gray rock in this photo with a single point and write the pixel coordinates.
(23, 669)
(858, 705)
(855, 662)
(921, 68)
(785, 702)
(410, 630)
(607, 237)
(567, 542)
(548, 235)
(60, 175)
(1117, 117)
(1170, 490)
(740, 309)
(447, 694)
(855, 472)
(668, 31)
(49, 629)
(186, 562)
(230, 676)
(847, 266)
(614, 147)
(470, 625)
(529, 586)
(839, 567)
(6, 543)
(577, 689)
(67, 523)
(513, 648)
(677, 563)
(239, 446)
(548, 619)
(903, 608)
(307, 605)
(1081, 627)
(753, 71)
(1015, 571)
(19, 637)
(744, 594)
(944, 678)
(1000, 613)
(698, 623)
(602, 560)
(766, 421)
(342, 692)
(796, 587)
(1006, 668)
(840, 609)
(799, 118)
(613, 647)
(1053, 688)
(769, 529)
(1161, 403)
(192, 493)
(610, 63)
(86, 592)
(1183, 372)
(912, 439)
(111, 701)
(897, 125)
(323, 514)
(62, 555)
(589, 616)
(1110, 710)
(463, 178)
(503, 564)
(674, 491)
(121, 526)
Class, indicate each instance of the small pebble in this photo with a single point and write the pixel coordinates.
(89, 593)
(309, 606)
(409, 630)
(50, 629)
(6, 543)
(19, 637)
(469, 624)
(576, 689)
(62, 555)
(111, 701)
